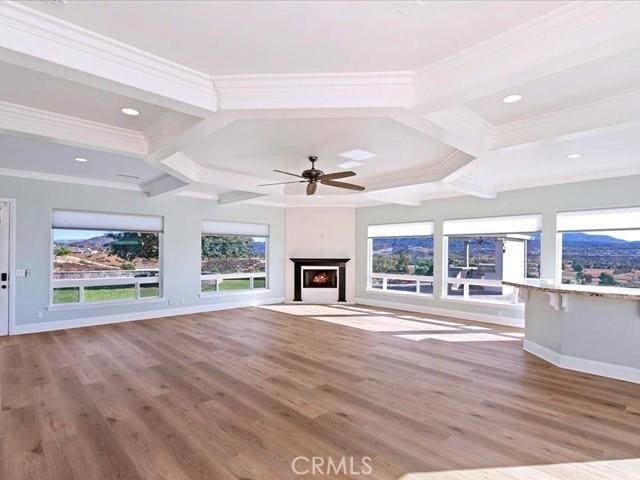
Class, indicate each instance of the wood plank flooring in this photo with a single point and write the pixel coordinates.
(240, 394)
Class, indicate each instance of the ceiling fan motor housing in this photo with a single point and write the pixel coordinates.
(312, 174)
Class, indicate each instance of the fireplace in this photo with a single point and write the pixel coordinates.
(320, 278)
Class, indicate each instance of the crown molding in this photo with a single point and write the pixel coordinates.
(322, 90)
(432, 173)
(46, 43)
(71, 130)
(53, 177)
(571, 35)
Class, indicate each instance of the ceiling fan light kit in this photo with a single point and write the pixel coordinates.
(313, 176)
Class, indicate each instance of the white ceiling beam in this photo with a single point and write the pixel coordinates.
(58, 128)
(42, 42)
(324, 90)
(182, 167)
(612, 112)
(469, 185)
(449, 130)
(163, 185)
(237, 197)
(577, 33)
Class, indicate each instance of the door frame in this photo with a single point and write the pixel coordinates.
(12, 262)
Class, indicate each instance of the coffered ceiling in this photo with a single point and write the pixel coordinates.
(228, 91)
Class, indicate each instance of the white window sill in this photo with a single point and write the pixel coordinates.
(229, 293)
(394, 292)
(491, 303)
(115, 303)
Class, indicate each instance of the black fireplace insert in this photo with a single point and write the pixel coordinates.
(320, 278)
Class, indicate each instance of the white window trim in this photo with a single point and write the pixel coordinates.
(467, 299)
(398, 276)
(81, 304)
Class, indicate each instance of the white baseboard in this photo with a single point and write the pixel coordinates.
(594, 367)
(445, 312)
(129, 317)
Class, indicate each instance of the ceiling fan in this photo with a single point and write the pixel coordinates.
(312, 176)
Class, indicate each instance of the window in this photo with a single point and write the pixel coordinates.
(601, 247)
(401, 257)
(483, 252)
(233, 256)
(101, 257)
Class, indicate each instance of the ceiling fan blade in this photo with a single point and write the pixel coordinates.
(281, 183)
(349, 186)
(288, 173)
(311, 188)
(336, 175)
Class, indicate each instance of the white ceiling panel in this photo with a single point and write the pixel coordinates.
(226, 37)
(31, 155)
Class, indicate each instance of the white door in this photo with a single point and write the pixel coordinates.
(5, 278)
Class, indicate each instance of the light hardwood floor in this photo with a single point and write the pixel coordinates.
(239, 394)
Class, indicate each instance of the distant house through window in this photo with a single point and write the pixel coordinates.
(101, 257)
(401, 258)
(233, 256)
(483, 252)
(601, 247)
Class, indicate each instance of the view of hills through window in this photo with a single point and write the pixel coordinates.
(94, 266)
(231, 262)
(403, 255)
(601, 258)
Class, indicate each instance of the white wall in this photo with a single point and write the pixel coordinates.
(181, 249)
(609, 193)
(320, 232)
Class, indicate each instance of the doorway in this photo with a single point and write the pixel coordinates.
(6, 277)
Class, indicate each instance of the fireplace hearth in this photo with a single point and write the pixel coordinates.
(330, 273)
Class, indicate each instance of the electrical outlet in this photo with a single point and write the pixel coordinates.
(40, 314)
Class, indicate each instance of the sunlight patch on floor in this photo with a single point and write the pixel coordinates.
(382, 323)
(309, 310)
(601, 470)
(514, 334)
(431, 320)
(457, 337)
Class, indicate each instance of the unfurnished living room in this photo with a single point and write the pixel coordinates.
(286, 240)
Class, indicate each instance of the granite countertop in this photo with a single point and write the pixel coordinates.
(586, 290)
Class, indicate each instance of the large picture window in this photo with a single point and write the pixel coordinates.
(401, 258)
(483, 252)
(233, 256)
(601, 247)
(101, 257)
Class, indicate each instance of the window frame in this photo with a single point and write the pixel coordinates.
(230, 276)
(385, 277)
(125, 301)
(467, 283)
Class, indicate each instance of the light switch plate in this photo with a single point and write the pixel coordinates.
(21, 273)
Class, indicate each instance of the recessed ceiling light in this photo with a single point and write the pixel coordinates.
(513, 98)
(357, 154)
(130, 111)
(124, 175)
(574, 155)
(350, 164)
(80, 159)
